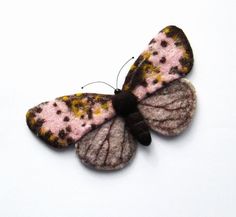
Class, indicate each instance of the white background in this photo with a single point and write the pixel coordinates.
(51, 48)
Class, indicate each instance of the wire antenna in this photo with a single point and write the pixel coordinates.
(120, 71)
(97, 82)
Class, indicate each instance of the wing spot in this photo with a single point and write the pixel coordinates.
(164, 43)
(154, 53)
(66, 119)
(58, 112)
(68, 128)
(54, 104)
(83, 124)
(62, 134)
(154, 81)
(38, 110)
(163, 60)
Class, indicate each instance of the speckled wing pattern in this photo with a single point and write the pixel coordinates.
(168, 57)
(108, 147)
(65, 120)
(170, 110)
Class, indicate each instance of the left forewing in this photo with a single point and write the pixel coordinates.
(64, 121)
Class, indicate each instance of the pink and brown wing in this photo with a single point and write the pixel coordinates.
(168, 57)
(64, 121)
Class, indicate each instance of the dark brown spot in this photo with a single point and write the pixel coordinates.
(154, 81)
(93, 126)
(152, 41)
(70, 140)
(155, 53)
(174, 70)
(178, 43)
(54, 104)
(58, 112)
(38, 109)
(68, 128)
(82, 116)
(66, 119)
(68, 103)
(90, 114)
(163, 60)
(83, 124)
(163, 43)
(62, 134)
(38, 124)
(48, 134)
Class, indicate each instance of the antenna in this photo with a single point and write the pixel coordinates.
(97, 82)
(120, 71)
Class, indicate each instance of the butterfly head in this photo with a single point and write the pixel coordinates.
(117, 91)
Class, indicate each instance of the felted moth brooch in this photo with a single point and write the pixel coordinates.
(105, 128)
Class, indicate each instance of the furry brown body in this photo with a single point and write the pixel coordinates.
(125, 105)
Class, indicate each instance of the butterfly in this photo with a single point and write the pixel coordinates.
(105, 128)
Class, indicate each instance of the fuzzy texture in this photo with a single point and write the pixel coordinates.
(170, 110)
(167, 58)
(109, 147)
(64, 121)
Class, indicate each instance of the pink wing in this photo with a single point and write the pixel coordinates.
(64, 121)
(168, 57)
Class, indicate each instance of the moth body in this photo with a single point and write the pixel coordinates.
(125, 105)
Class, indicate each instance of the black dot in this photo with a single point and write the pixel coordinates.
(83, 124)
(163, 60)
(54, 104)
(155, 53)
(66, 118)
(163, 43)
(62, 134)
(68, 129)
(38, 109)
(58, 112)
(154, 81)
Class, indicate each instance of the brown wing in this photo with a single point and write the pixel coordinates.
(109, 147)
(168, 57)
(64, 121)
(170, 110)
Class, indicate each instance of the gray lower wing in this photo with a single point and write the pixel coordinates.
(170, 110)
(108, 147)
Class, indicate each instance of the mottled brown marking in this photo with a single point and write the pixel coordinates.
(38, 109)
(152, 41)
(163, 60)
(62, 134)
(68, 128)
(164, 43)
(66, 119)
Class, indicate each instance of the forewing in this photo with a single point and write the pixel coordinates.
(64, 121)
(168, 57)
(170, 110)
(109, 147)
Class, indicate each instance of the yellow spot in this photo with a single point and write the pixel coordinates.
(52, 138)
(186, 55)
(185, 69)
(166, 30)
(27, 115)
(159, 77)
(105, 105)
(78, 94)
(146, 54)
(97, 111)
(65, 98)
(97, 97)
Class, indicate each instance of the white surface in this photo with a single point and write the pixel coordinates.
(51, 48)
